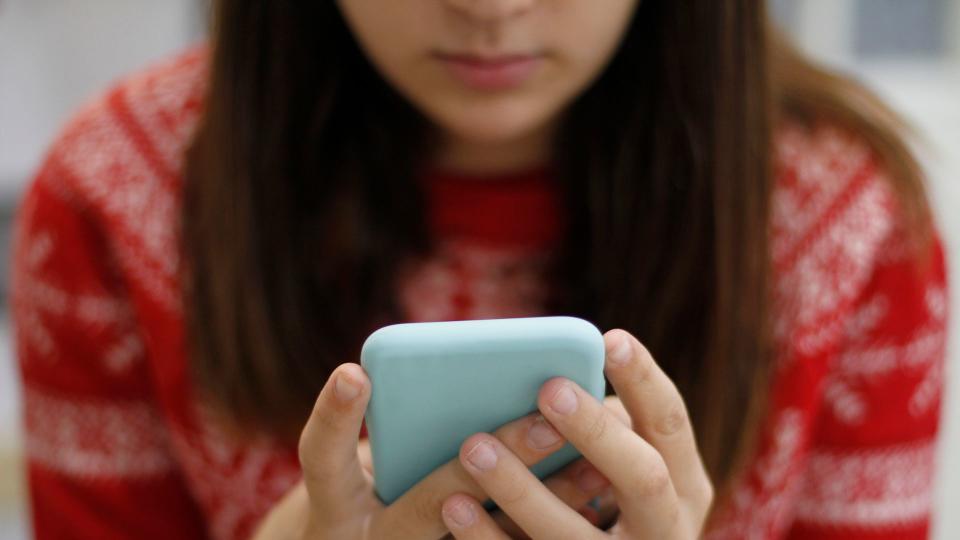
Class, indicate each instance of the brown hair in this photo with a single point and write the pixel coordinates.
(301, 203)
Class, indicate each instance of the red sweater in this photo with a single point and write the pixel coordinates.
(118, 448)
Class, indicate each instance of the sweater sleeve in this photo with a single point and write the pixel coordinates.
(871, 463)
(97, 455)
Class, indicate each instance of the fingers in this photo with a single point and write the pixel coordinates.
(294, 507)
(641, 483)
(616, 407)
(519, 493)
(467, 520)
(659, 414)
(416, 514)
(576, 485)
(365, 456)
(328, 443)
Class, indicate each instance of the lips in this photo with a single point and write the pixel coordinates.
(490, 73)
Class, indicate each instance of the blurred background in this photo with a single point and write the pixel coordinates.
(55, 54)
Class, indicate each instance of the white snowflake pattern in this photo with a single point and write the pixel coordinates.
(822, 165)
(760, 503)
(865, 359)
(235, 481)
(42, 300)
(815, 288)
(496, 282)
(35, 299)
(876, 488)
(95, 439)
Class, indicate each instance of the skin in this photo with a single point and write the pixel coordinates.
(640, 452)
(336, 497)
(642, 445)
(489, 131)
(658, 479)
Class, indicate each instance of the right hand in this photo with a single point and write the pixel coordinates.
(336, 499)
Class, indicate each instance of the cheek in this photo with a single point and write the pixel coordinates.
(391, 34)
(397, 37)
(593, 33)
(494, 119)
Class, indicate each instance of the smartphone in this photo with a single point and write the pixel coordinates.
(434, 384)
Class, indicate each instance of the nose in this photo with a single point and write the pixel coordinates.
(492, 10)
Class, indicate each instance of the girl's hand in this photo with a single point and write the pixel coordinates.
(657, 476)
(336, 498)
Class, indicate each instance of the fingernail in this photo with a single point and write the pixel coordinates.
(542, 435)
(589, 479)
(346, 388)
(621, 353)
(564, 401)
(482, 456)
(461, 514)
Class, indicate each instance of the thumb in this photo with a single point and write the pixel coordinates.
(328, 444)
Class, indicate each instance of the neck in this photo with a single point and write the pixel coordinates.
(481, 158)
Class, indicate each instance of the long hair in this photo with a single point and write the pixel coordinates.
(301, 202)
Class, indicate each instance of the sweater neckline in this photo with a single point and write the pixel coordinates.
(515, 210)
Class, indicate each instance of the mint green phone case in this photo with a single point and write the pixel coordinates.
(437, 383)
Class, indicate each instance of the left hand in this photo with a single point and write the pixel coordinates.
(657, 476)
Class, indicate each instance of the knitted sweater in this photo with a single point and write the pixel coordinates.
(117, 446)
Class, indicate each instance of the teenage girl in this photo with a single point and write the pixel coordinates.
(207, 245)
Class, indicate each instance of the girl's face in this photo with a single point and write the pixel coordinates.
(489, 71)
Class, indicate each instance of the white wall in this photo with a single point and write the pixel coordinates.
(54, 53)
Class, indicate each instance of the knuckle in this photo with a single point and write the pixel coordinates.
(427, 509)
(515, 494)
(655, 481)
(673, 421)
(705, 494)
(597, 428)
(310, 448)
(304, 447)
(304, 451)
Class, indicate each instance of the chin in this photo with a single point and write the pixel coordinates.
(492, 126)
